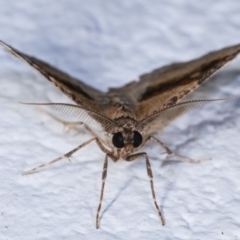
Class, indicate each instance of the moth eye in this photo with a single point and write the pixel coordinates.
(137, 139)
(117, 140)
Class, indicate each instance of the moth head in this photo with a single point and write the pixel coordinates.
(127, 139)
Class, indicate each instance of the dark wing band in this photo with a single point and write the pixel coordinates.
(166, 86)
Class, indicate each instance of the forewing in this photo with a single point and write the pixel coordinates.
(166, 86)
(79, 92)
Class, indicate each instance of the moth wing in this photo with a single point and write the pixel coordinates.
(79, 92)
(166, 86)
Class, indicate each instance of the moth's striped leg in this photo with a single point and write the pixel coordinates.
(170, 153)
(150, 175)
(67, 155)
(104, 176)
(100, 144)
(98, 139)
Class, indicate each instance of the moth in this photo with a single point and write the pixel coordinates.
(130, 115)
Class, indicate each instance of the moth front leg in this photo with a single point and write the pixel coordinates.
(170, 153)
(67, 155)
(104, 176)
(150, 175)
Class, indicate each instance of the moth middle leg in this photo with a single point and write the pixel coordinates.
(170, 153)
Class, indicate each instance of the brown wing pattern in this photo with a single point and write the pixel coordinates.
(166, 86)
(159, 89)
(79, 92)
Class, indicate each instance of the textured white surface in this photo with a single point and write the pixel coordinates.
(108, 43)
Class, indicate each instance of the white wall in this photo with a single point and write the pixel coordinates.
(109, 43)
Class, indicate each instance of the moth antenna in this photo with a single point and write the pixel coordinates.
(79, 113)
(170, 113)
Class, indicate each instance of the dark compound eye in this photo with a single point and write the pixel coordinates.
(117, 140)
(137, 139)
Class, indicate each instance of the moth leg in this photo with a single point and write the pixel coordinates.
(72, 125)
(150, 175)
(67, 155)
(100, 144)
(171, 153)
(67, 125)
(104, 175)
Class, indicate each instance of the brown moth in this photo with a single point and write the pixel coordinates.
(130, 115)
